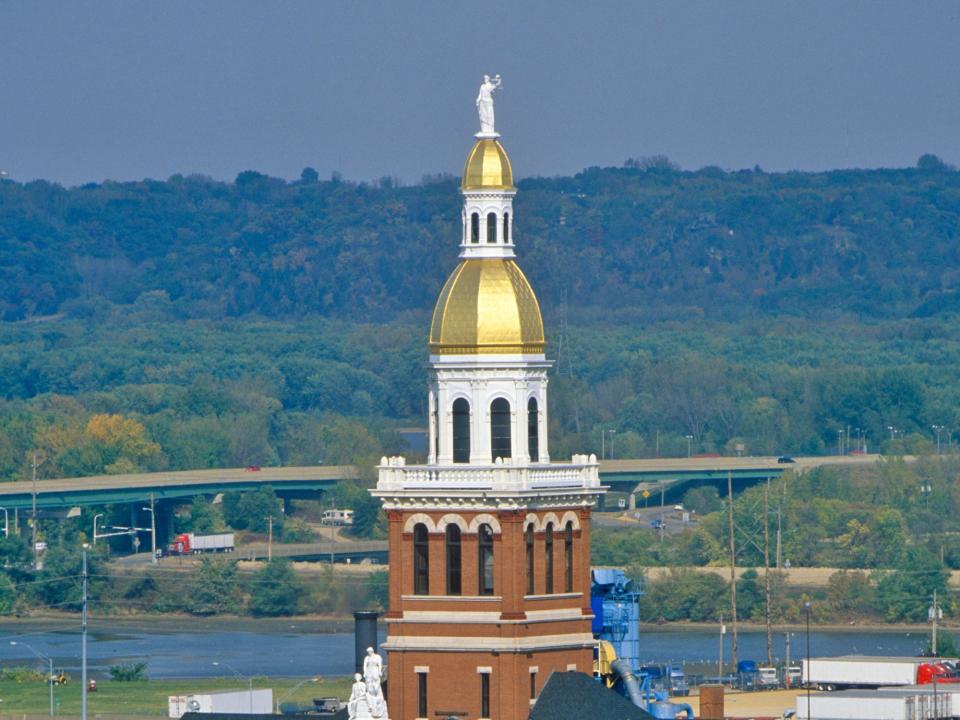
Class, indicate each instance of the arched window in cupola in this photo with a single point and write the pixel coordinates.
(533, 430)
(461, 431)
(506, 228)
(491, 227)
(500, 428)
(475, 228)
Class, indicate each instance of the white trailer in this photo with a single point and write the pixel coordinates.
(221, 542)
(861, 671)
(239, 702)
(886, 704)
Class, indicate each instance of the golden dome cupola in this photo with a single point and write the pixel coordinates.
(487, 306)
(487, 167)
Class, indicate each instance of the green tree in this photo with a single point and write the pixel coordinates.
(250, 510)
(275, 590)
(214, 588)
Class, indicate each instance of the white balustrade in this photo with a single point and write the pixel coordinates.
(582, 472)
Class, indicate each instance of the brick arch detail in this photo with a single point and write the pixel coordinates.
(570, 516)
(419, 518)
(482, 518)
(550, 518)
(452, 519)
(531, 520)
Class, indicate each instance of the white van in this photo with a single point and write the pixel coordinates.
(767, 677)
(337, 517)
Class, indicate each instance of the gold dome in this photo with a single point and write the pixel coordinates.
(486, 306)
(488, 167)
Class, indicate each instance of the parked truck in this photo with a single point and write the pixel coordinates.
(234, 702)
(906, 703)
(859, 671)
(190, 544)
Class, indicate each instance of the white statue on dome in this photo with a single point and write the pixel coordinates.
(485, 105)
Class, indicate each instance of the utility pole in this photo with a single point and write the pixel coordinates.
(733, 569)
(766, 567)
(723, 631)
(36, 555)
(153, 531)
(83, 646)
(269, 538)
(786, 659)
(934, 616)
(663, 491)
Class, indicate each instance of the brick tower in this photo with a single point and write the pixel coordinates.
(490, 540)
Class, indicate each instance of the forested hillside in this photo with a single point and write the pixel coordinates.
(191, 323)
(643, 241)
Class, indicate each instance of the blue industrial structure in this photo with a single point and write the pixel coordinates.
(616, 613)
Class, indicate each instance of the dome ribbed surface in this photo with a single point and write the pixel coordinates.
(487, 306)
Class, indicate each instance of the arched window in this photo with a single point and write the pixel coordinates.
(528, 538)
(485, 560)
(421, 560)
(506, 228)
(461, 431)
(491, 227)
(548, 559)
(568, 557)
(533, 430)
(453, 559)
(475, 228)
(500, 428)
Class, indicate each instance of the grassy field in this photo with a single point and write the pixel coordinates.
(148, 698)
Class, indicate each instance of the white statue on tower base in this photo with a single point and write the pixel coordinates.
(485, 107)
(366, 697)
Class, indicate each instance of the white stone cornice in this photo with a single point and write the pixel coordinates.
(529, 643)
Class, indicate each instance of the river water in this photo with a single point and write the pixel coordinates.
(171, 650)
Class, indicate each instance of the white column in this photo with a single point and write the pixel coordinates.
(542, 421)
(518, 415)
(481, 426)
(445, 451)
(434, 418)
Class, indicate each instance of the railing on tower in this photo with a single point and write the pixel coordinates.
(581, 472)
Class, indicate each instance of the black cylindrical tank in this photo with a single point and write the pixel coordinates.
(364, 635)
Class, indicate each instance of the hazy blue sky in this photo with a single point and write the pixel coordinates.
(125, 90)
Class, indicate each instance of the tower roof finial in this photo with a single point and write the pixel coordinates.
(485, 107)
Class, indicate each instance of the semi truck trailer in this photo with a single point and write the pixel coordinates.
(190, 544)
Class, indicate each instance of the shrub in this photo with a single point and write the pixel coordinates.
(129, 672)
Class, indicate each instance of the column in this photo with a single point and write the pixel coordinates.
(542, 421)
(398, 567)
(511, 564)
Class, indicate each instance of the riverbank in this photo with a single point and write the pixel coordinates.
(327, 624)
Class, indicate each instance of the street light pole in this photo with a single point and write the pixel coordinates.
(292, 690)
(83, 646)
(153, 531)
(612, 433)
(806, 612)
(42, 657)
(240, 675)
(689, 438)
(937, 429)
(98, 515)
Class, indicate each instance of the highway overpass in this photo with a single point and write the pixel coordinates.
(623, 475)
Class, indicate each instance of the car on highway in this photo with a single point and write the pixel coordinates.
(785, 459)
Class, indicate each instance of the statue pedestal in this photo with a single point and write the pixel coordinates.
(487, 135)
(362, 712)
